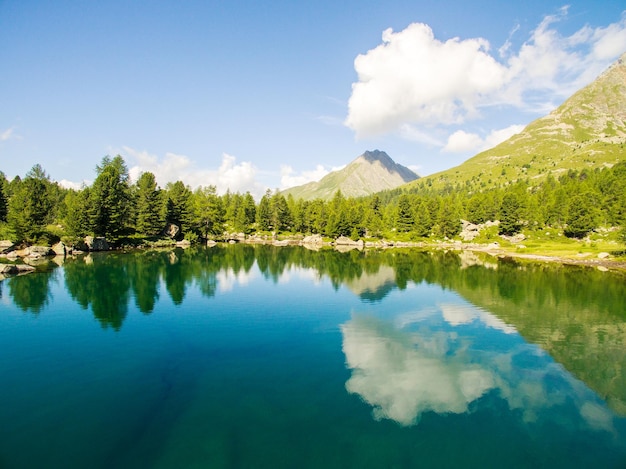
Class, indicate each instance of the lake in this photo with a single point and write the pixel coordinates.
(282, 357)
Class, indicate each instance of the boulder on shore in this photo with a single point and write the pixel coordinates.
(6, 246)
(96, 243)
(39, 251)
(313, 240)
(345, 241)
(15, 269)
(59, 249)
(171, 230)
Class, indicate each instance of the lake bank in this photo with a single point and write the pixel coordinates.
(595, 258)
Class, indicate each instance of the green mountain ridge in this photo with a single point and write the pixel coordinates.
(372, 172)
(587, 131)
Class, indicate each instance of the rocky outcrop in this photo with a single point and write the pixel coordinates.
(469, 231)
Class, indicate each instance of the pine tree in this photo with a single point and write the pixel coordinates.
(77, 212)
(208, 211)
(3, 198)
(582, 215)
(423, 222)
(510, 212)
(179, 208)
(148, 205)
(280, 214)
(406, 218)
(110, 198)
(30, 207)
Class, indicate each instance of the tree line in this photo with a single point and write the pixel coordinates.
(37, 210)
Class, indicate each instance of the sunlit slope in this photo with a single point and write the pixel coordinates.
(586, 131)
(372, 172)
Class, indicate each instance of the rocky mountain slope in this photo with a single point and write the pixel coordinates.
(587, 131)
(372, 172)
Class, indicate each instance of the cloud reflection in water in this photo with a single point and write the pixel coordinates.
(443, 359)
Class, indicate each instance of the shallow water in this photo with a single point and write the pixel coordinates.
(243, 356)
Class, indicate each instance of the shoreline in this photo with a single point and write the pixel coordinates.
(606, 263)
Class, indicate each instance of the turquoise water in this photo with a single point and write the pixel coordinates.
(256, 357)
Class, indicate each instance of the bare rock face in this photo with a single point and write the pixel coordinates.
(96, 244)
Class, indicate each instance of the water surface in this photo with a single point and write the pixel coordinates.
(256, 356)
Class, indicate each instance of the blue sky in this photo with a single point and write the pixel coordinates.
(253, 95)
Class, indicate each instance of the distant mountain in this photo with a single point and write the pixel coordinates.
(373, 171)
(586, 131)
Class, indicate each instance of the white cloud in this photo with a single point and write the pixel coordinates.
(462, 142)
(74, 185)
(498, 136)
(414, 79)
(289, 177)
(9, 134)
(238, 177)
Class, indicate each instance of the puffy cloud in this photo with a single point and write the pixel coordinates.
(230, 175)
(289, 177)
(461, 141)
(74, 185)
(414, 79)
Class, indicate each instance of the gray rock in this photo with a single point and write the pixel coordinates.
(604, 255)
(345, 241)
(6, 246)
(59, 249)
(171, 230)
(40, 251)
(15, 269)
(313, 239)
(96, 244)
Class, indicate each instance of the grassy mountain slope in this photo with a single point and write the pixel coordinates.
(587, 131)
(373, 171)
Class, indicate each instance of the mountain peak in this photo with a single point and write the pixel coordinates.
(371, 172)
